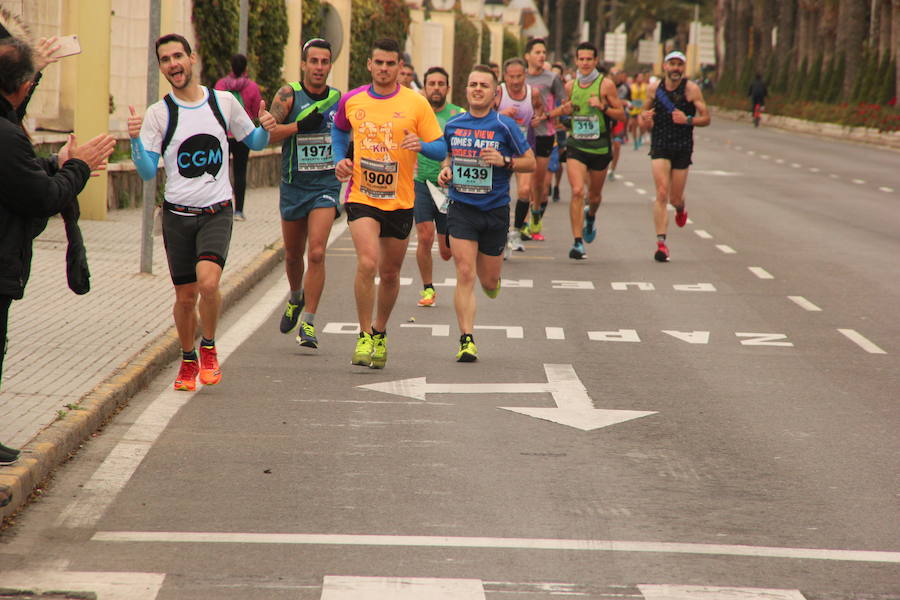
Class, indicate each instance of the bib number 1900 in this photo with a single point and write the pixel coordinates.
(379, 179)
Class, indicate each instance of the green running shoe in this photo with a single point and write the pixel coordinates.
(467, 350)
(492, 293)
(379, 351)
(362, 356)
(306, 337)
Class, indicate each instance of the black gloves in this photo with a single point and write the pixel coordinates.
(311, 122)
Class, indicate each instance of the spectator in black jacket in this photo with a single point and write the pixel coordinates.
(757, 92)
(32, 189)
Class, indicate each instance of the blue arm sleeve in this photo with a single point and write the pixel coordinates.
(145, 161)
(257, 140)
(340, 141)
(436, 150)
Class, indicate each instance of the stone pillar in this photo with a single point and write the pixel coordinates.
(447, 20)
(91, 21)
(496, 29)
(291, 69)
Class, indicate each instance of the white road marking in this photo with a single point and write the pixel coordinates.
(726, 249)
(693, 287)
(691, 337)
(761, 273)
(621, 335)
(513, 332)
(565, 284)
(886, 189)
(858, 181)
(764, 156)
(763, 339)
(780, 161)
(436, 330)
(796, 165)
(804, 303)
(705, 592)
(640, 191)
(341, 328)
(814, 170)
(108, 585)
(396, 588)
(555, 333)
(716, 172)
(751, 152)
(421, 541)
(703, 234)
(403, 280)
(833, 176)
(861, 341)
(628, 183)
(103, 487)
(640, 285)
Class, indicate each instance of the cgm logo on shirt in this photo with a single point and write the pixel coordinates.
(199, 154)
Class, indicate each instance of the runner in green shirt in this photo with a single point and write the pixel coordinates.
(430, 210)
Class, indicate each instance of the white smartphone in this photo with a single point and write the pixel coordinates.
(68, 46)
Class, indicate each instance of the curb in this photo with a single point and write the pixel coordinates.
(60, 439)
(864, 135)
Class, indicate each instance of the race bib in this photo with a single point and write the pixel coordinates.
(379, 179)
(314, 152)
(472, 176)
(586, 127)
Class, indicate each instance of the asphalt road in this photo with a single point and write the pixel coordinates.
(759, 459)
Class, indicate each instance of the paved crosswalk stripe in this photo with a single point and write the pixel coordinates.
(555, 333)
(398, 588)
(422, 541)
(861, 341)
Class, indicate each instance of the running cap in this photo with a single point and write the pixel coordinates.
(675, 54)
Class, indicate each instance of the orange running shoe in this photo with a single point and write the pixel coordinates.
(210, 373)
(187, 376)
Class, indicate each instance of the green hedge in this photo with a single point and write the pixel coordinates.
(485, 44)
(267, 35)
(371, 20)
(216, 23)
(512, 45)
(465, 43)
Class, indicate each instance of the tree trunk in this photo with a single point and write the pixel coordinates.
(787, 24)
(742, 24)
(599, 21)
(895, 41)
(828, 26)
(852, 17)
(884, 29)
(763, 22)
(558, 31)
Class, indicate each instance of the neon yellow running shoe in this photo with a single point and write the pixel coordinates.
(492, 293)
(379, 351)
(427, 297)
(467, 350)
(362, 356)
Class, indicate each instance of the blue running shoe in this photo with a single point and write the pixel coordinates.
(589, 231)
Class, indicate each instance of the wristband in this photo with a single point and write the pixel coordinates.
(690, 120)
(508, 163)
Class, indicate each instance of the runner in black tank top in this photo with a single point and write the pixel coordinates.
(675, 106)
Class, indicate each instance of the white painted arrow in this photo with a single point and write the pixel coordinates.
(573, 405)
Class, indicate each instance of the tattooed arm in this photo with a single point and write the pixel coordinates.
(282, 105)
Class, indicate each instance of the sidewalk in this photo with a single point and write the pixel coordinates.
(93, 352)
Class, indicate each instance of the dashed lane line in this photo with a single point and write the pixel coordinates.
(761, 273)
(886, 189)
(804, 303)
(725, 249)
(703, 234)
(861, 341)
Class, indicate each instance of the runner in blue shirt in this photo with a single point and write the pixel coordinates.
(485, 148)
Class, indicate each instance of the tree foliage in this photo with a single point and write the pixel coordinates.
(465, 44)
(512, 45)
(216, 25)
(371, 20)
(267, 35)
(313, 23)
(485, 44)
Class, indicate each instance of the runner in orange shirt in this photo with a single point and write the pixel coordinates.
(388, 125)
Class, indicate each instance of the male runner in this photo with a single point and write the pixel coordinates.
(592, 100)
(310, 192)
(518, 101)
(385, 122)
(551, 91)
(485, 148)
(620, 129)
(638, 99)
(188, 128)
(674, 108)
(560, 147)
(427, 215)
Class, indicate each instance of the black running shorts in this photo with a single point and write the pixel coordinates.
(487, 227)
(594, 162)
(543, 145)
(191, 238)
(394, 223)
(680, 159)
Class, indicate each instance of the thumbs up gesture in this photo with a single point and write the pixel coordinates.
(265, 118)
(134, 123)
(411, 141)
